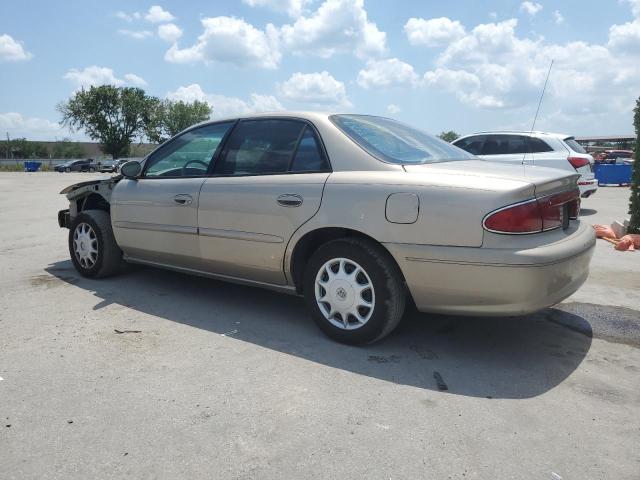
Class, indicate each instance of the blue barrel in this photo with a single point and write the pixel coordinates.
(616, 174)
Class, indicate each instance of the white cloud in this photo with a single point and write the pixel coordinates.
(134, 79)
(169, 32)
(625, 37)
(338, 26)
(635, 7)
(315, 90)
(231, 40)
(492, 67)
(392, 108)
(293, 8)
(387, 73)
(32, 128)
(558, 17)
(157, 14)
(137, 34)
(128, 17)
(531, 8)
(224, 106)
(12, 50)
(95, 75)
(433, 32)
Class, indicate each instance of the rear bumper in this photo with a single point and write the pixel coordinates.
(487, 281)
(587, 186)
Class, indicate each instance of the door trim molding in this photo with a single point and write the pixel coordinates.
(155, 227)
(239, 235)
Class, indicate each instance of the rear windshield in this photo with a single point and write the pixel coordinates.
(394, 142)
(575, 146)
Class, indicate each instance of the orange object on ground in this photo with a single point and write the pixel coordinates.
(628, 242)
(604, 231)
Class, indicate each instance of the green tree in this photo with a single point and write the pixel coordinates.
(449, 136)
(170, 118)
(65, 148)
(634, 200)
(112, 115)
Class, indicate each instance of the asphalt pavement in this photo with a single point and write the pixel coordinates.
(213, 380)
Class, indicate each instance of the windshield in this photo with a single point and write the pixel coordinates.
(394, 142)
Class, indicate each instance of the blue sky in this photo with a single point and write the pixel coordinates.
(460, 65)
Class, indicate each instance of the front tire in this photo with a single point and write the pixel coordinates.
(92, 246)
(354, 291)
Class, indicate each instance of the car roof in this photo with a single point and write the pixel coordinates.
(536, 133)
(305, 115)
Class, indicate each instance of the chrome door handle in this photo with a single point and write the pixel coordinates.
(183, 199)
(289, 200)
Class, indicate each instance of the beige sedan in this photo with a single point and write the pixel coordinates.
(357, 213)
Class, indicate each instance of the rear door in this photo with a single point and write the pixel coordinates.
(155, 217)
(265, 185)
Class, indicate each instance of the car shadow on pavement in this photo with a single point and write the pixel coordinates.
(586, 212)
(480, 357)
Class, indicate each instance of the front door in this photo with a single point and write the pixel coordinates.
(265, 185)
(155, 217)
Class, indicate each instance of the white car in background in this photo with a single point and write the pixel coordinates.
(554, 150)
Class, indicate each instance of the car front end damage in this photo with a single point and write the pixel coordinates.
(91, 195)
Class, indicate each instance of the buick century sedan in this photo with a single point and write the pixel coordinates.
(359, 214)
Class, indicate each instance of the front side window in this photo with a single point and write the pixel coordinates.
(394, 142)
(189, 154)
(259, 147)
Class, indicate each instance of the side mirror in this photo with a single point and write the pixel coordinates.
(131, 169)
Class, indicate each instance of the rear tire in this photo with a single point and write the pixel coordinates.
(92, 246)
(354, 291)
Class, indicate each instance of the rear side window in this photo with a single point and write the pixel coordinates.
(258, 147)
(513, 145)
(308, 156)
(573, 145)
(395, 142)
(472, 144)
(536, 145)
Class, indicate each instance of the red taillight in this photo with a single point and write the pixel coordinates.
(577, 162)
(522, 218)
(534, 216)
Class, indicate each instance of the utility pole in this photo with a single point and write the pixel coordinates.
(8, 146)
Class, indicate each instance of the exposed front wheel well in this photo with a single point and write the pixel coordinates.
(313, 240)
(93, 201)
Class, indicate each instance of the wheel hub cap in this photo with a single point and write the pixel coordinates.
(85, 245)
(344, 293)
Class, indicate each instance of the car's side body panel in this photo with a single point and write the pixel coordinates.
(149, 224)
(245, 223)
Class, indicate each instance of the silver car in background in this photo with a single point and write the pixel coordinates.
(357, 213)
(553, 150)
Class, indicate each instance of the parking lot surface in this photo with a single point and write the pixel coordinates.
(213, 380)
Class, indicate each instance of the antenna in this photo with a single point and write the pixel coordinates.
(544, 88)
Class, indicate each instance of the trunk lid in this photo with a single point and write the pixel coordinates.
(543, 180)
